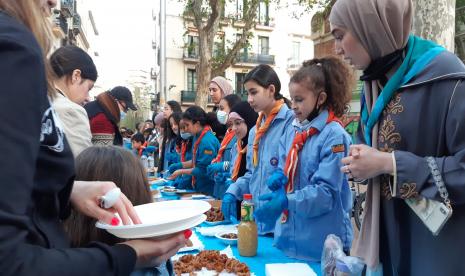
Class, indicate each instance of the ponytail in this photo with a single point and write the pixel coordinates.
(331, 75)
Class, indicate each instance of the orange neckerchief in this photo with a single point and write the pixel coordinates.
(237, 165)
(141, 149)
(224, 144)
(183, 150)
(196, 146)
(261, 130)
(293, 156)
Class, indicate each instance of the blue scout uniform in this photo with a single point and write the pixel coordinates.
(185, 181)
(254, 180)
(321, 202)
(206, 152)
(220, 181)
(170, 150)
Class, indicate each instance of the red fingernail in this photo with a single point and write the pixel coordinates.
(114, 221)
(187, 233)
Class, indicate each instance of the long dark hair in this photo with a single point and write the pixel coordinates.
(265, 76)
(167, 132)
(175, 106)
(329, 74)
(108, 163)
(69, 58)
(176, 116)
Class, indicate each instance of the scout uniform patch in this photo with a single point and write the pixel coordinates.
(338, 148)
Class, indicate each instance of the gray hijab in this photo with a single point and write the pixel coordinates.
(381, 26)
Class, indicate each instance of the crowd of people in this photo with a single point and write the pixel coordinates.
(61, 153)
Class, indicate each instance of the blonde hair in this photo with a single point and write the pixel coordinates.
(30, 13)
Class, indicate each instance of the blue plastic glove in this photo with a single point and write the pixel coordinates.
(276, 180)
(214, 168)
(219, 178)
(174, 167)
(270, 211)
(228, 207)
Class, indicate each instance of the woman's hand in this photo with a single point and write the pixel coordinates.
(366, 162)
(86, 195)
(155, 252)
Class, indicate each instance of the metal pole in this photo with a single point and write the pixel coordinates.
(163, 48)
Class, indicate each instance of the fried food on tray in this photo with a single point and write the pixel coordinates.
(211, 260)
(214, 214)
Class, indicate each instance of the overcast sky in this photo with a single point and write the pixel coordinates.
(126, 30)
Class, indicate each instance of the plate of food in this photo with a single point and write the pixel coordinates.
(209, 262)
(227, 237)
(161, 218)
(214, 217)
(169, 190)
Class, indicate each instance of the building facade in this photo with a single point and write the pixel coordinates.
(281, 38)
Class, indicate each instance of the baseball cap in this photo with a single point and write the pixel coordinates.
(123, 94)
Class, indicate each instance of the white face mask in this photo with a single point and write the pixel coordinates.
(185, 135)
(122, 115)
(222, 117)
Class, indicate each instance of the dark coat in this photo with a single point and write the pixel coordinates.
(426, 117)
(37, 172)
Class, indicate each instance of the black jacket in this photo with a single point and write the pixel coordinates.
(37, 172)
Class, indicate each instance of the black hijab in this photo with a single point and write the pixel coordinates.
(250, 118)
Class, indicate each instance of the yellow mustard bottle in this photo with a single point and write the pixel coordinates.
(247, 239)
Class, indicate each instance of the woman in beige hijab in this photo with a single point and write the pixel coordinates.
(411, 138)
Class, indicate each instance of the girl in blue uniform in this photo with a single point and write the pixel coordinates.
(204, 149)
(168, 148)
(263, 87)
(219, 168)
(184, 181)
(311, 196)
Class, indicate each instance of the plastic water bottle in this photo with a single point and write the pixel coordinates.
(145, 162)
(150, 164)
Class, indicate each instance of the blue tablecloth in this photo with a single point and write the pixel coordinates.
(266, 254)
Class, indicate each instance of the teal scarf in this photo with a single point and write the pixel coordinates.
(420, 53)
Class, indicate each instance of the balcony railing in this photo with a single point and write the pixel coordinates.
(77, 23)
(255, 58)
(190, 54)
(188, 96)
(67, 7)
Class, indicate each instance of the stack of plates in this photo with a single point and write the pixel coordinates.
(161, 218)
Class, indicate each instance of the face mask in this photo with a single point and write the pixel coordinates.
(222, 117)
(185, 135)
(122, 115)
(314, 113)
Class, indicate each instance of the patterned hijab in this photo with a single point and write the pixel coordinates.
(382, 27)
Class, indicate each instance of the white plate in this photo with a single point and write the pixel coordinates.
(159, 230)
(159, 215)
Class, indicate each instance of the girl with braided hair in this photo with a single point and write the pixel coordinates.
(310, 196)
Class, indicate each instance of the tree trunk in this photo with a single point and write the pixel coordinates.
(435, 20)
(203, 70)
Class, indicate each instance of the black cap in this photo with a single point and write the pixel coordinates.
(123, 94)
